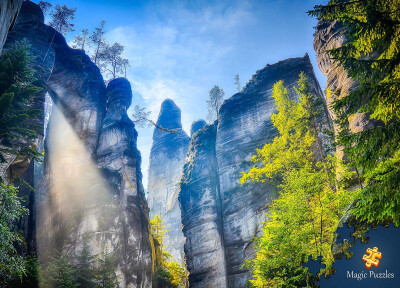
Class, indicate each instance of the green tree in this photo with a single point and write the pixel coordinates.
(81, 41)
(111, 57)
(237, 82)
(85, 270)
(61, 19)
(17, 89)
(105, 272)
(98, 40)
(303, 219)
(59, 273)
(371, 57)
(216, 95)
(168, 273)
(45, 6)
(11, 209)
(140, 117)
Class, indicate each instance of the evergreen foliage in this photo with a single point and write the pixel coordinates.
(60, 273)
(81, 41)
(303, 219)
(371, 57)
(17, 88)
(216, 96)
(61, 19)
(11, 209)
(105, 272)
(85, 270)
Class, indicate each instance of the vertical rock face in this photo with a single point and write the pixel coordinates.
(77, 88)
(8, 13)
(166, 161)
(200, 202)
(212, 199)
(245, 125)
(73, 199)
(196, 126)
(331, 35)
(120, 160)
(29, 27)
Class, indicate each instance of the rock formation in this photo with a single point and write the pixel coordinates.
(8, 13)
(331, 35)
(76, 199)
(166, 161)
(29, 26)
(200, 200)
(244, 125)
(119, 160)
(196, 126)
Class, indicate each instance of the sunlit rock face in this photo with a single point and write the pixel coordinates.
(212, 199)
(330, 35)
(119, 160)
(166, 161)
(200, 201)
(8, 13)
(77, 88)
(245, 125)
(30, 27)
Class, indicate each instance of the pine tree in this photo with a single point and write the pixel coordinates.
(85, 272)
(216, 95)
(45, 6)
(81, 41)
(372, 58)
(59, 273)
(237, 82)
(111, 57)
(106, 277)
(17, 89)
(11, 209)
(97, 38)
(61, 19)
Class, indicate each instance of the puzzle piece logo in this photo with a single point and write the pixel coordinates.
(372, 258)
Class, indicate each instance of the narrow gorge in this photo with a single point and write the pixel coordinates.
(91, 193)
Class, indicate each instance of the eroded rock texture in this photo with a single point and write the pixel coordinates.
(331, 35)
(196, 126)
(75, 200)
(120, 160)
(200, 201)
(245, 125)
(29, 26)
(166, 161)
(8, 13)
(231, 212)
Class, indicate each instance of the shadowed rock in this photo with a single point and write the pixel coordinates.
(166, 161)
(196, 126)
(8, 13)
(200, 201)
(30, 27)
(221, 217)
(245, 125)
(119, 159)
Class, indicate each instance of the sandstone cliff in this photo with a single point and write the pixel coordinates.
(119, 159)
(75, 198)
(166, 161)
(244, 125)
(200, 200)
(8, 13)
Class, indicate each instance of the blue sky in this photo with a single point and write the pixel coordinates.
(180, 49)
